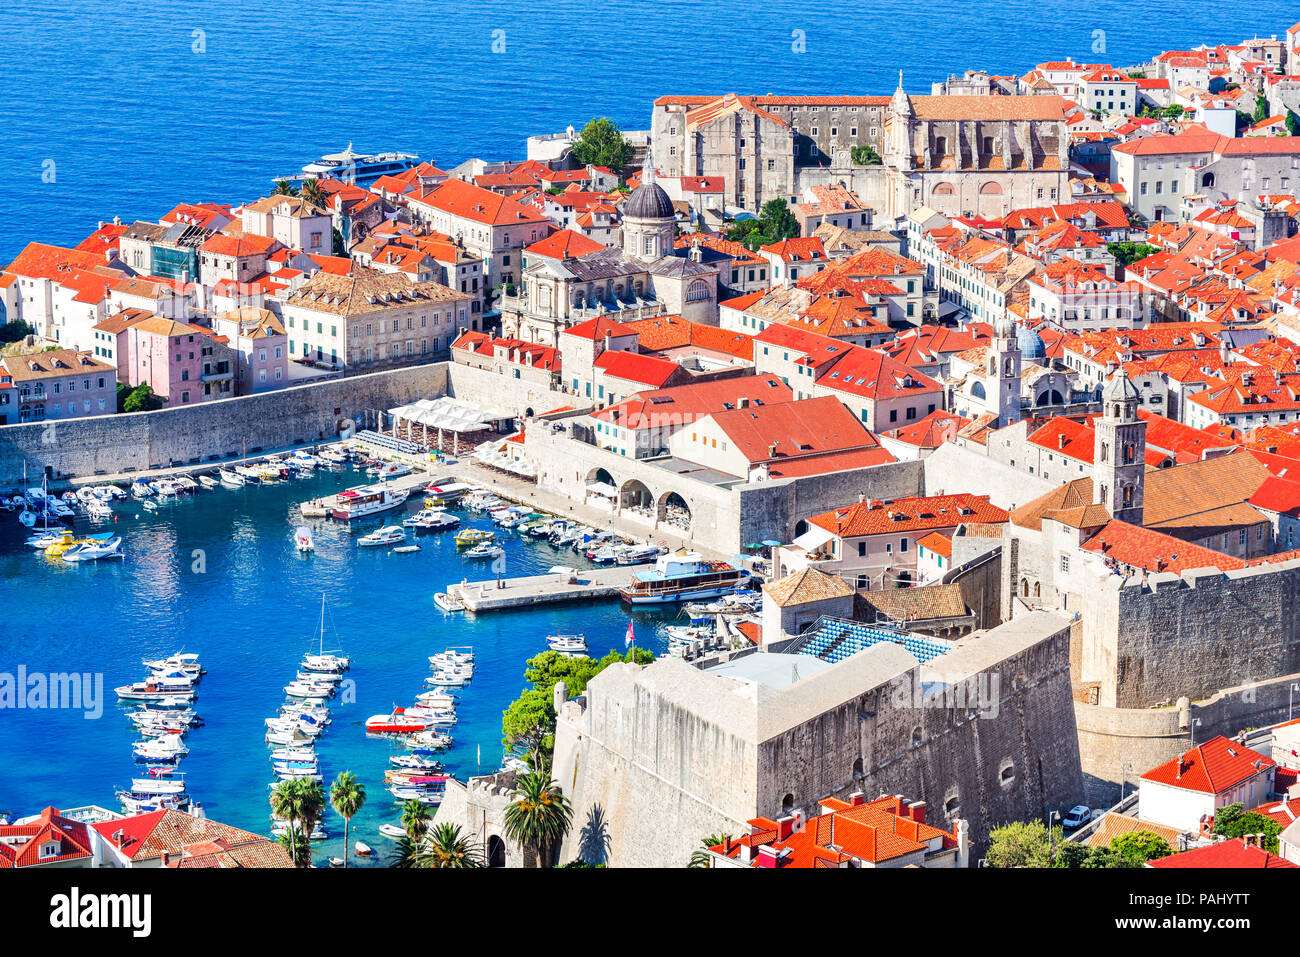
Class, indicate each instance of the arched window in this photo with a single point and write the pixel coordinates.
(1024, 588)
(943, 189)
(991, 189)
(977, 390)
(1207, 179)
(857, 768)
(1038, 590)
(787, 804)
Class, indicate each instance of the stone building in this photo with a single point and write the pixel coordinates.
(646, 277)
(974, 155)
(658, 756)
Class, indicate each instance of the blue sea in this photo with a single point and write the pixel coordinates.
(126, 109)
(133, 106)
(218, 574)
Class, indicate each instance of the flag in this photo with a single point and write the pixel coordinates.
(630, 640)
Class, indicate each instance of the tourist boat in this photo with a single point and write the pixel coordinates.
(431, 519)
(363, 849)
(94, 547)
(436, 496)
(484, 550)
(360, 169)
(682, 576)
(303, 540)
(567, 644)
(367, 500)
(393, 831)
(473, 536)
(448, 602)
(173, 685)
(207, 481)
(399, 722)
(388, 535)
(231, 479)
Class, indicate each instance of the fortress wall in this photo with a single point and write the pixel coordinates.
(208, 431)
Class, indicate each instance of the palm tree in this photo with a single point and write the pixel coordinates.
(285, 804)
(538, 817)
(405, 854)
(415, 819)
(311, 808)
(701, 856)
(347, 795)
(445, 846)
(312, 192)
(284, 188)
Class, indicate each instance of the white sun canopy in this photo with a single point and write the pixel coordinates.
(449, 414)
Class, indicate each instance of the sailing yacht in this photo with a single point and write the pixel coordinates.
(322, 662)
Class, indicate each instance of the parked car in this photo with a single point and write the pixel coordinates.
(1076, 817)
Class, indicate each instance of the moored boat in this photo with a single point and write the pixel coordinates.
(682, 576)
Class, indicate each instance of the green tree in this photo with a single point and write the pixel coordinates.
(141, 399)
(15, 330)
(538, 818)
(446, 847)
(528, 725)
(293, 841)
(284, 187)
(1137, 75)
(311, 808)
(339, 246)
(601, 143)
(1141, 846)
(1021, 844)
(347, 795)
(864, 155)
(1292, 124)
(415, 819)
(1127, 253)
(1260, 113)
(1233, 820)
(1071, 854)
(1173, 111)
(700, 858)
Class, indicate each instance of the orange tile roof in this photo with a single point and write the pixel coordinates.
(910, 514)
(1212, 767)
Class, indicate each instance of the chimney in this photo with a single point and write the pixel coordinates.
(1060, 441)
(746, 853)
(742, 402)
(166, 858)
(785, 826)
(916, 811)
(767, 856)
(857, 798)
(119, 837)
(771, 451)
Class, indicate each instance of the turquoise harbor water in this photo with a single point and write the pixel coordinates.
(217, 573)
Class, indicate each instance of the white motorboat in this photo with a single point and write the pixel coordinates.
(388, 535)
(429, 740)
(44, 540)
(166, 749)
(302, 539)
(448, 602)
(150, 506)
(318, 832)
(293, 754)
(431, 519)
(97, 509)
(414, 762)
(186, 662)
(249, 473)
(460, 657)
(567, 644)
(308, 689)
(155, 688)
(168, 784)
(95, 547)
(232, 479)
(393, 470)
(142, 488)
(207, 481)
(483, 550)
(86, 494)
(443, 678)
(436, 699)
(392, 831)
(434, 717)
(289, 738)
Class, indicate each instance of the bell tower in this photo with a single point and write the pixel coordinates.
(1004, 371)
(1119, 453)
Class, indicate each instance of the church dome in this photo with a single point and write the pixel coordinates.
(1030, 343)
(649, 201)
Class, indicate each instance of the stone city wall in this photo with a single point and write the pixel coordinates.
(209, 431)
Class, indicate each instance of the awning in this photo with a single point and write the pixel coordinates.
(602, 488)
(815, 537)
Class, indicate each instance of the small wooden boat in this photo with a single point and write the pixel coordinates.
(403, 549)
(363, 849)
(336, 862)
(392, 830)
